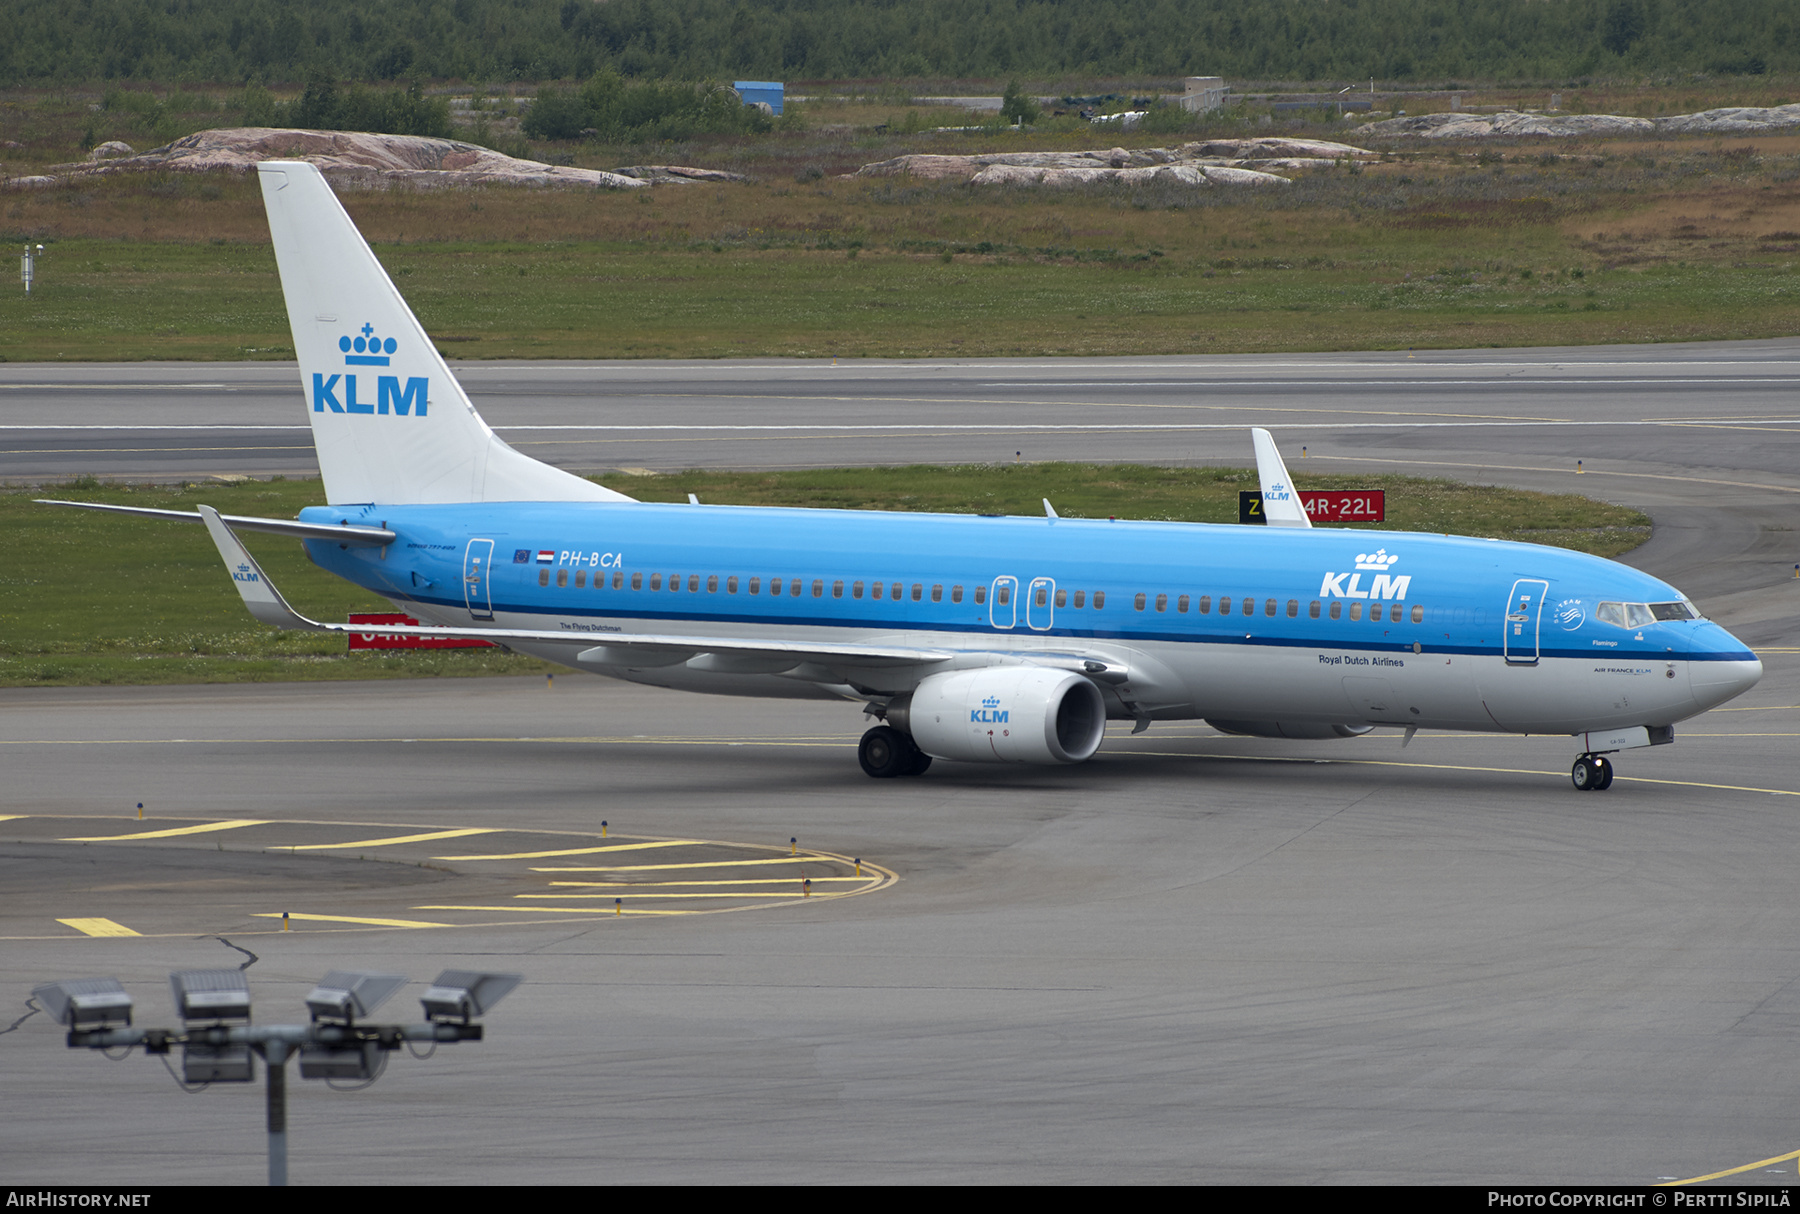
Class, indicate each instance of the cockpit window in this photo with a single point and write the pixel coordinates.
(1638, 615)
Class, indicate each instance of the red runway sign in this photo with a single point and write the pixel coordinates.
(1345, 505)
(376, 639)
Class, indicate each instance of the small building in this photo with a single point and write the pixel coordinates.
(764, 94)
(1203, 93)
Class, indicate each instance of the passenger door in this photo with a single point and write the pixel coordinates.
(477, 579)
(1524, 613)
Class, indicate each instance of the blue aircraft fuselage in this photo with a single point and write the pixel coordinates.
(1225, 622)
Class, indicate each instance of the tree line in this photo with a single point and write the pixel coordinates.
(290, 41)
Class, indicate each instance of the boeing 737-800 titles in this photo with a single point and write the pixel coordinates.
(970, 638)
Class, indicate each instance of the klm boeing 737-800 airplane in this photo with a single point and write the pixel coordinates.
(972, 639)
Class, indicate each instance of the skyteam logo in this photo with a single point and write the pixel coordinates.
(990, 712)
(1383, 586)
(367, 349)
(1570, 614)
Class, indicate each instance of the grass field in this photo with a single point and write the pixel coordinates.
(92, 598)
(1523, 243)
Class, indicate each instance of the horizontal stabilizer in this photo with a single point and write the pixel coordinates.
(356, 537)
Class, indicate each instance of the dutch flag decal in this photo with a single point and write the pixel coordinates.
(546, 556)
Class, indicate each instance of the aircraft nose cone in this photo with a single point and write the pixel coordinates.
(1733, 671)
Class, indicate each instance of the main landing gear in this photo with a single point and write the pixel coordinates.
(885, 752)
(1591, 773)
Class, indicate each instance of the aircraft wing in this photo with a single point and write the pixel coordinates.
(630, 649)
(356, 537)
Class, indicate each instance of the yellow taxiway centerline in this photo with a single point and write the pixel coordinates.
(1761, 1163)
(552, 910)
(643, 868)
(579, 851)
(393, 839)
(722, 881)
(203, 828)
(1509, 771)
(735, 894)
(355, 919)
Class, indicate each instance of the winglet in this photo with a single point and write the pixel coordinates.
(1281, 501)
(258, 592)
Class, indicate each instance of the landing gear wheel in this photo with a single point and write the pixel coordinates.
(885, 752)
(1606, 774)
(1585, 775)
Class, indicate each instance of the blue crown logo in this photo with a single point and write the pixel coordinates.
(367, 350)
(991, 702)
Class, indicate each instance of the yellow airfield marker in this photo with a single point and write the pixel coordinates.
(550, 910)
(720, 881)
(285, 916)
(203, 828)
(577, 851)
(393, 839)
(650, 868)
(1761, 1163)
(98, 927)
(748, 893)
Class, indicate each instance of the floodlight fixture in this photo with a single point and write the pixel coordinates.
(344, 996)
(213, 996)
(358, 1060)
(216, 1064)
(462, 995)
(85, 1003)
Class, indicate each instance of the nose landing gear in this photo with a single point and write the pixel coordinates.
(1591, 773)
(885, 752)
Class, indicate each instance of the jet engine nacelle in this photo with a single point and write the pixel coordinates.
(1288, 729)
(1004, 714)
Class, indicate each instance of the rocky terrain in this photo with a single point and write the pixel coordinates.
(361, 161)
(1211, 162)
(1739, 120)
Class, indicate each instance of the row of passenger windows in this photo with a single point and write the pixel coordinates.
(1392, 612)
(898, 591)
(793, 587)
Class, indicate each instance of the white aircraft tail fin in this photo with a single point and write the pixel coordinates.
(1281, 501)
(390, 422)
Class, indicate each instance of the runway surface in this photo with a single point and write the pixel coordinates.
(1194, 959)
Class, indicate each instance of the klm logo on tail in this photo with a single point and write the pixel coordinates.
(368, 350)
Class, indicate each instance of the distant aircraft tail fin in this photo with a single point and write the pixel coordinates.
(390, 422)
(1281, 501)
